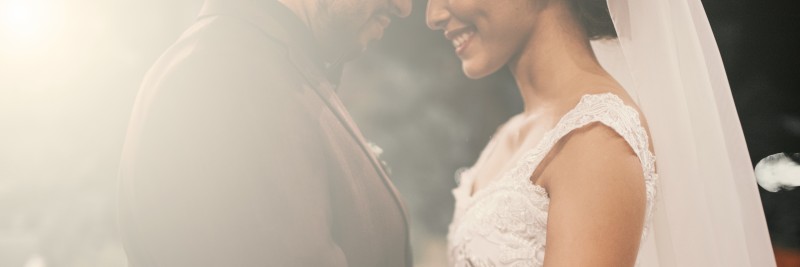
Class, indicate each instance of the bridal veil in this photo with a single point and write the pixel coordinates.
(708, 211)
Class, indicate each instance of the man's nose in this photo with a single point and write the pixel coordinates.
(437, 15)
(401, 8)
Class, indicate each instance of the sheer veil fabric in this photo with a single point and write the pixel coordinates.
(708, 211)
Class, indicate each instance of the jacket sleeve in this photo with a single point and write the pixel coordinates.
(229, 164)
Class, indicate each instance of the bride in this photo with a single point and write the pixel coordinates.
(573, 179)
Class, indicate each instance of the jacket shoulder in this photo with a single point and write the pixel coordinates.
(222, 50)
(223, 67)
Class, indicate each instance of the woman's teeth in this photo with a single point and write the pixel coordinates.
(461, 39)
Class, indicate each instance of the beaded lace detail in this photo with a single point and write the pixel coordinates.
(505, 223)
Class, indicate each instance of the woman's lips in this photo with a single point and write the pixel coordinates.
(462, 41)
(460, 38)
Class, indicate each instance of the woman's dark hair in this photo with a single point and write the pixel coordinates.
(595, 18)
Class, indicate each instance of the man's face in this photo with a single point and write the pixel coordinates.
(350, 25)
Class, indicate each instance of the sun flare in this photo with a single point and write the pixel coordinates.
(26, 24)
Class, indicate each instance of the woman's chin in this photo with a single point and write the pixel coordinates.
(475, 72)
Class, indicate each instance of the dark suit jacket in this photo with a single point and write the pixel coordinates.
(239, 153)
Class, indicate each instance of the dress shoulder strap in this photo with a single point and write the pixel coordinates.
(606, 108)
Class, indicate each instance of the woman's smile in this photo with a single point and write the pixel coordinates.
(460, 38)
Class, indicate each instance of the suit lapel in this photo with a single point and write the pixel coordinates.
(331, 99)
(326, 93)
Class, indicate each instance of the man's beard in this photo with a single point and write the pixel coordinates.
(337, 32)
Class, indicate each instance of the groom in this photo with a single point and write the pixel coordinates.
(239, 152)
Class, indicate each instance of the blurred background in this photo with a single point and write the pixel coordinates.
(70, 69)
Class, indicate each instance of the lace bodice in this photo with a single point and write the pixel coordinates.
(504, 224)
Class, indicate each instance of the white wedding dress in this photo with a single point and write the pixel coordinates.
(505, 223)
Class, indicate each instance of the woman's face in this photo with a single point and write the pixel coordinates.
(485, 34)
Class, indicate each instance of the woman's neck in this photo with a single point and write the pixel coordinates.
(556, 63)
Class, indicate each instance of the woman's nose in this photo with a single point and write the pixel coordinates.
(437, 15)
